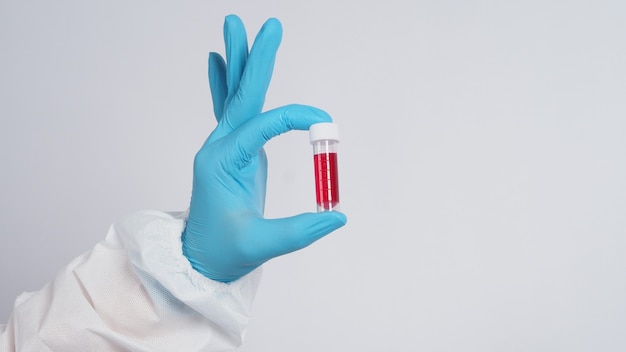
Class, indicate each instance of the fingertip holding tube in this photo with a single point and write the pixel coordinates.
(337, 217)
(326, 222)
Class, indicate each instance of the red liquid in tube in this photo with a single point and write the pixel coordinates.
(326, 181)
(324, 137)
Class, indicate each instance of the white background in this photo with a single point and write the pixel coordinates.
(482, 163)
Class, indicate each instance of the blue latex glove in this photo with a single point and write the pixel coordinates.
(226, 235)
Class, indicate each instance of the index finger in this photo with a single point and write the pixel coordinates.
(253, 135)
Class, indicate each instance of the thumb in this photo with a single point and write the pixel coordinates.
(286, 235)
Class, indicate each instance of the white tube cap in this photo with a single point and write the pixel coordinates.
(324, 130)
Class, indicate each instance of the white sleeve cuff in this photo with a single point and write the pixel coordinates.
(152, 240)
(134, 291)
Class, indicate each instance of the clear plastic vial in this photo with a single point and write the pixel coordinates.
(324, 137)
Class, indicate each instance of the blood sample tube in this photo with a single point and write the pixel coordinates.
(324, 137)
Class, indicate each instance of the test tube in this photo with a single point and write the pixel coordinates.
(324, 137)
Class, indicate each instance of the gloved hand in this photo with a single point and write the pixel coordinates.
(226, 235)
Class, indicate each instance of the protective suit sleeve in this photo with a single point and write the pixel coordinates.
(134, 291)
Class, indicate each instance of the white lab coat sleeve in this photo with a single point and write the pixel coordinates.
(134, 291)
